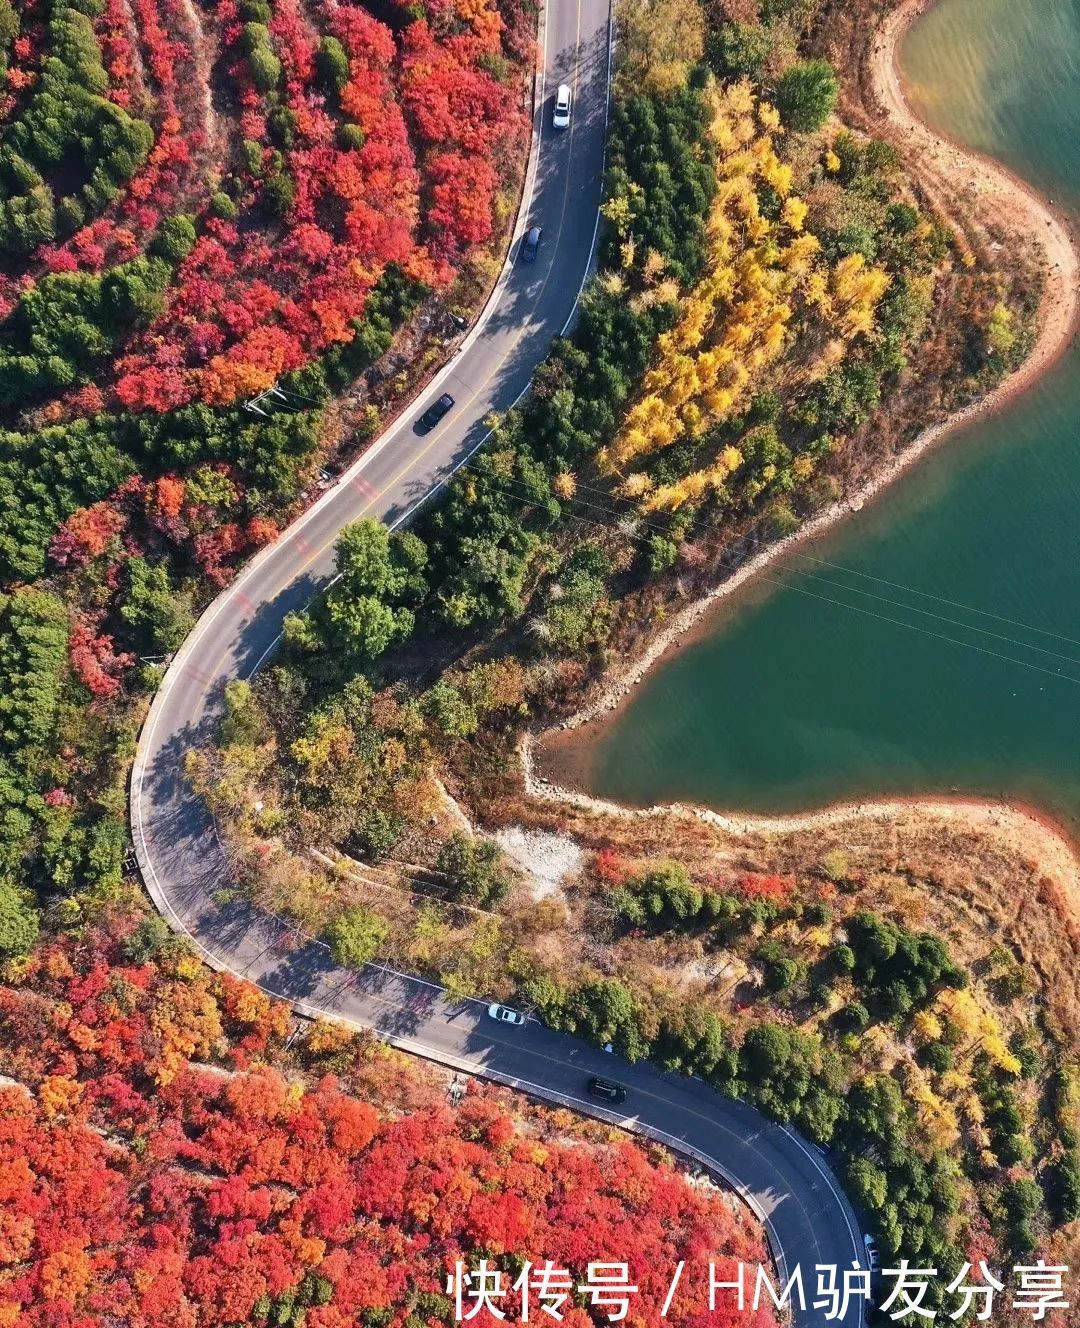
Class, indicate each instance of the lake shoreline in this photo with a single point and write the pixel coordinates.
(560, 756)
(1025, 827)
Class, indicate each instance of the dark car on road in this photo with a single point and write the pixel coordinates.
(530, 246)
(607, 1090)
(436, 411)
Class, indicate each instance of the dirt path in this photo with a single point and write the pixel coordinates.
(994, 187)
(203, 54)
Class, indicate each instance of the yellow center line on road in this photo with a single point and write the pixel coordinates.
(438, 432)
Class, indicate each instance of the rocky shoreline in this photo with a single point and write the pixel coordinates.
(1059, 315)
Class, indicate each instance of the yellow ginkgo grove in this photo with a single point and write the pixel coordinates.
(762, 275)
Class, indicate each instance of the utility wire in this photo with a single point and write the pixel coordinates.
(941, 599)
(827, 599)
(898, 604)
(896, 585)
(941, 617)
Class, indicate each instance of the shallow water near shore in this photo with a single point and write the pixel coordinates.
(931, 643)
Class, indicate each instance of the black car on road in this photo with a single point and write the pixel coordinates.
(530, 246)
(436, 411)
(607, 1090)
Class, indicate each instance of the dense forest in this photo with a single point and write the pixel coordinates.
(199, 202)
(768, 279)
(165, 1159)
(196, 204)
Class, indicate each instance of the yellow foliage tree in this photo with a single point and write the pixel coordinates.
(763, 275)
(977, 1025)
(660, 40)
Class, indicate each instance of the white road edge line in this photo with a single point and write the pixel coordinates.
(206, 621)
(590, 267)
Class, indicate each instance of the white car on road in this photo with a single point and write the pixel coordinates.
(505, 1015)
(563, 100)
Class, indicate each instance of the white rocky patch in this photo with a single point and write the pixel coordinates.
(546, 860)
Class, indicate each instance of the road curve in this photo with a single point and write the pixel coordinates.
(181, 861)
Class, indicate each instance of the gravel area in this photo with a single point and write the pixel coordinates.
(546, 860)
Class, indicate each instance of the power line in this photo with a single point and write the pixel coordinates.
(899, 604)
(983, 650)
(941, 617)
(941, 599)
(827, 599)
(896, 585)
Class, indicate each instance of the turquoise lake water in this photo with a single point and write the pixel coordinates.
(936, 646)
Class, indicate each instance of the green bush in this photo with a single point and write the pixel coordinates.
(175, 239)
(222, 207)
(474, 870)
(67, 114)
(19, 921)
(356, 935)
(264, 64)
(1063, 1188)
(331, 66)
(806, 95)
(351, 136)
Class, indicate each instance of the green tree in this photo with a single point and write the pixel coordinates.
(692, 1040)
(806, 95)
(279, 193)
(1021, 1202)
(874, 1111)
(782, 971)
(19, 922)
(175, 239)
(264, 64)
(9, 25)
(867, 1184)
(663, 553)
(371, 560)
(159, 616)
(454, 714)
(356, 935)
(474, 869)
(34, 629)
(604, 1011)
(367, 609)
(738, 50)
(661, 166)
(1063, 1188)
(365, 625)
(332, 66)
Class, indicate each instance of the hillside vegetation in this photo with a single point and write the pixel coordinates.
(197, 203)
(770, 285)
(172, 1152)
(775, 299)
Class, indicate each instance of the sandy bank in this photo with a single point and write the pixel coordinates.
(997, 189)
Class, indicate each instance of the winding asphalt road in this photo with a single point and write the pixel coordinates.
(783, 1179)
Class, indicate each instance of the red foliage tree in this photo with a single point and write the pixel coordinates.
(87, 534)
(754, 885)
(139, 1187)
(95, 662)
